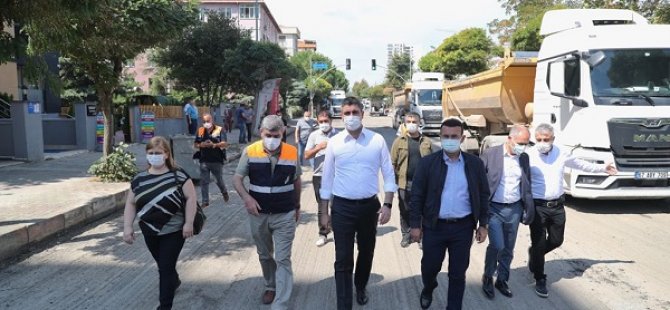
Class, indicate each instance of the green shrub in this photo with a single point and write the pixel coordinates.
(294, 111)
(119, 166)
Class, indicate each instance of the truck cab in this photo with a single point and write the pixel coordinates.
(424, 97)
(335, 103)
(603, 83)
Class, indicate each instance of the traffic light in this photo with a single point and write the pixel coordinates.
(348, 64)
(374, 64)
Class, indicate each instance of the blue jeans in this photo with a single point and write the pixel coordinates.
(243, 132)
(503, 225)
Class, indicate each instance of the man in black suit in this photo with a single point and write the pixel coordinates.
(508, 171)
(450, 196)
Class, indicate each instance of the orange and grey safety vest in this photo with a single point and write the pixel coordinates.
(273, 190)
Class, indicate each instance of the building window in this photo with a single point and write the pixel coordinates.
(227, 12)
(203, 15)
(248, 11)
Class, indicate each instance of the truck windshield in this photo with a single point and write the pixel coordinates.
(431, 97)
(632, 77)
(337, 102)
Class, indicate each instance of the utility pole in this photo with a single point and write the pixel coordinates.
(258, 13)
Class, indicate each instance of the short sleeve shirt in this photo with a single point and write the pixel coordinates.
(159, 201)
(191, 111)
(315, 138)
(306, 127)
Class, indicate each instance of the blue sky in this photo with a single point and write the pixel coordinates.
(361, 29)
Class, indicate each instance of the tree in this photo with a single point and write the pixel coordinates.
(319, 83)
(399, 70)
(361, 89)
(101, 41)
(464, 53)
(251, 63)
(527, 37)
(197, 58)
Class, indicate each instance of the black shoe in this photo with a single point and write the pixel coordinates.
(541, 288)
(405, 241)
(362, 297)
(487, 287)
(426, 299)
(503, 288)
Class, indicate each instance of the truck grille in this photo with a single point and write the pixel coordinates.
(432, 116)
(640, 144)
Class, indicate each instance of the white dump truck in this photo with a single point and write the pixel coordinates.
(602, 80)
(422, 96)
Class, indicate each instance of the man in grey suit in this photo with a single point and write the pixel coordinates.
(511, 202)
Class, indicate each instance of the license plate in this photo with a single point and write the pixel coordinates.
(650, 175)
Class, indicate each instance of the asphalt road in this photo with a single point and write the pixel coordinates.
(615, 256)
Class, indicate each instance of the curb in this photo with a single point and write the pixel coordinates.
(19, 240)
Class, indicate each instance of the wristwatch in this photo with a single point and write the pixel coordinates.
(388, 205)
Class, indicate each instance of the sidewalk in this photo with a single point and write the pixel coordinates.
(40, 200)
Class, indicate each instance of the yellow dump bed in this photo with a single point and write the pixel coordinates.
(499, 95)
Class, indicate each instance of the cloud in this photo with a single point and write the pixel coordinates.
(361, 29)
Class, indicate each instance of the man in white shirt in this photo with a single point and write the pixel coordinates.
(316, 149)
(351, 168)
(547, 164)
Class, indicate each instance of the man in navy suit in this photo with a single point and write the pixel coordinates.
(508, 172)
(449, 197)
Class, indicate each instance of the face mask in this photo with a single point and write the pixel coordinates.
(271, 144)
(306, 118)
(451, 145)
(518, 149)
(156, 160)
(412, 128)
(324, 127)
(207, 125)
(352, 122)
(543, 147)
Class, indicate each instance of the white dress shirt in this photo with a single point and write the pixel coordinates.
(351, 167)
(509, 188)
(455, 199)
(546, 171)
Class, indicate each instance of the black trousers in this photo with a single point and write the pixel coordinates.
(546, 234)
(403, 206)
(316, 183)
(165, 249)
(457, 239)
(249, 137)
(353, 218)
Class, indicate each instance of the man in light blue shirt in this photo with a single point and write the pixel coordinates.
(191, 115)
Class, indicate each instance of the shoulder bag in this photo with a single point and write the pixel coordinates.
(200, 217)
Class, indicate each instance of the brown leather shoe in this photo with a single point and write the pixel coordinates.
(268, 297)
(226, 197)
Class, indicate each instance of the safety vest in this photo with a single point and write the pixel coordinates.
(273, 190)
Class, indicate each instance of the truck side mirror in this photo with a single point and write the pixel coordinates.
(556, 78)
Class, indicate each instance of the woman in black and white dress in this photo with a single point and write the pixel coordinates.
(163, 198)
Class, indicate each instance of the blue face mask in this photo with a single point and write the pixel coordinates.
(451, 145)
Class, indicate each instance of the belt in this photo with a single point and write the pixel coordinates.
(357, 201)
(506, 204)
(549, 203)
(453, 220)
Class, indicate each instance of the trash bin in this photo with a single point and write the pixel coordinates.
(182, 152)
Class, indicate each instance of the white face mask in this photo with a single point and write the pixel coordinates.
(207, 125)
(412, 128)
(543, 147)
(156, 160)
(324, 127)
(271, 144)
(352, 122)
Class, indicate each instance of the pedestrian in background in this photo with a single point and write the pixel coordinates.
(249, 115)
(316, 150)
(273, 204)
(191, 115)
(303, 128)
(511, 202)
(406, 152)
(211, 140)
(450, 196)
(283, 119)
(547, 167)
(354, 157)
(163, 198)
(241, 123)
